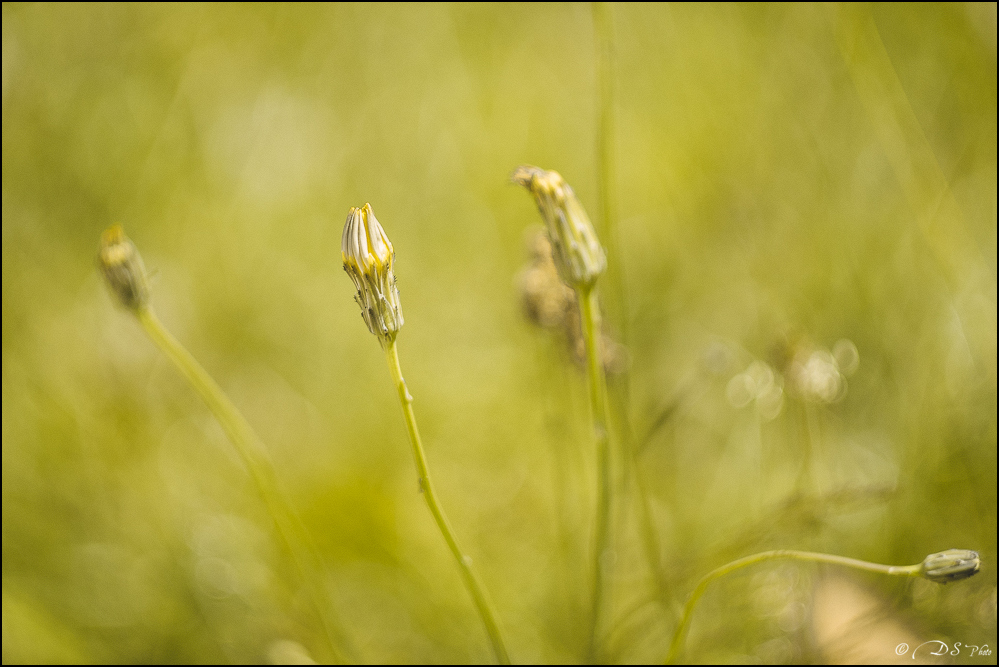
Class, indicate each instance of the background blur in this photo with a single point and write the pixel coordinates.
(802, 274)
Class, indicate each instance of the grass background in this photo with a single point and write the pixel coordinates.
(783, 177)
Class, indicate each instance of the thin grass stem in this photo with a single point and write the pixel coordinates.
(468, 574)
(807, 556)
(603, 29)
(253, 455)
(590, 315)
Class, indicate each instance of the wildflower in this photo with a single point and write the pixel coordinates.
(123, 269)
(950, 565)
(578, 255)
(368, 259)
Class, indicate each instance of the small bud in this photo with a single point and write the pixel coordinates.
(950, 565)
(575, 249)
(368, 258)
(123, 268)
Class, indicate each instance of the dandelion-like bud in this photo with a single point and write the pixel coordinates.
(123, 268)
(368, 259)
(578, 255)
(951, 565)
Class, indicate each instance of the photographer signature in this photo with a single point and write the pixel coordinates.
(942, 648)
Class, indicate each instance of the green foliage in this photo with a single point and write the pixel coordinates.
(785, 177)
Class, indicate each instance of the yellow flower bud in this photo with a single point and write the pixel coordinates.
(123, 268)
(368, 259)
(578, 255)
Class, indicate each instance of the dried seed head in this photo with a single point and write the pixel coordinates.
(123, 268)
(951, 565)
(552, 305)
(368, 259)
(547, 301)
(578, 255)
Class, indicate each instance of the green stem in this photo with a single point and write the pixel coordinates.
(603, 23)
(590, 315)
(253, 454)
(650, 539)
(808, 556)
(472, 582)
(236, 427)
(605, 122)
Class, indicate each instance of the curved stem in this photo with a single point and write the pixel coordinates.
(590, 312)
(472, 582)
(253, 454)
(808, 556)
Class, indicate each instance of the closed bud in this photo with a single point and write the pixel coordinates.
(368, 259)
(578, 255)
(950, 565)
(123, 269)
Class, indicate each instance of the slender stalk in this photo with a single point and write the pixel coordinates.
(605, 121)
(253, 454)
(243, 438)
(590, 312)
(603, 26)
(807, 556)
(650, 538)
(471, 579)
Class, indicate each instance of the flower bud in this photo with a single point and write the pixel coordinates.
(123, 268)
(368, 258)
(578, 255)
(950, 565)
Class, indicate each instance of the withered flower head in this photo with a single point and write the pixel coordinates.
(368, 259)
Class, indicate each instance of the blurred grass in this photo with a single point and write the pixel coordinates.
(787, 176)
